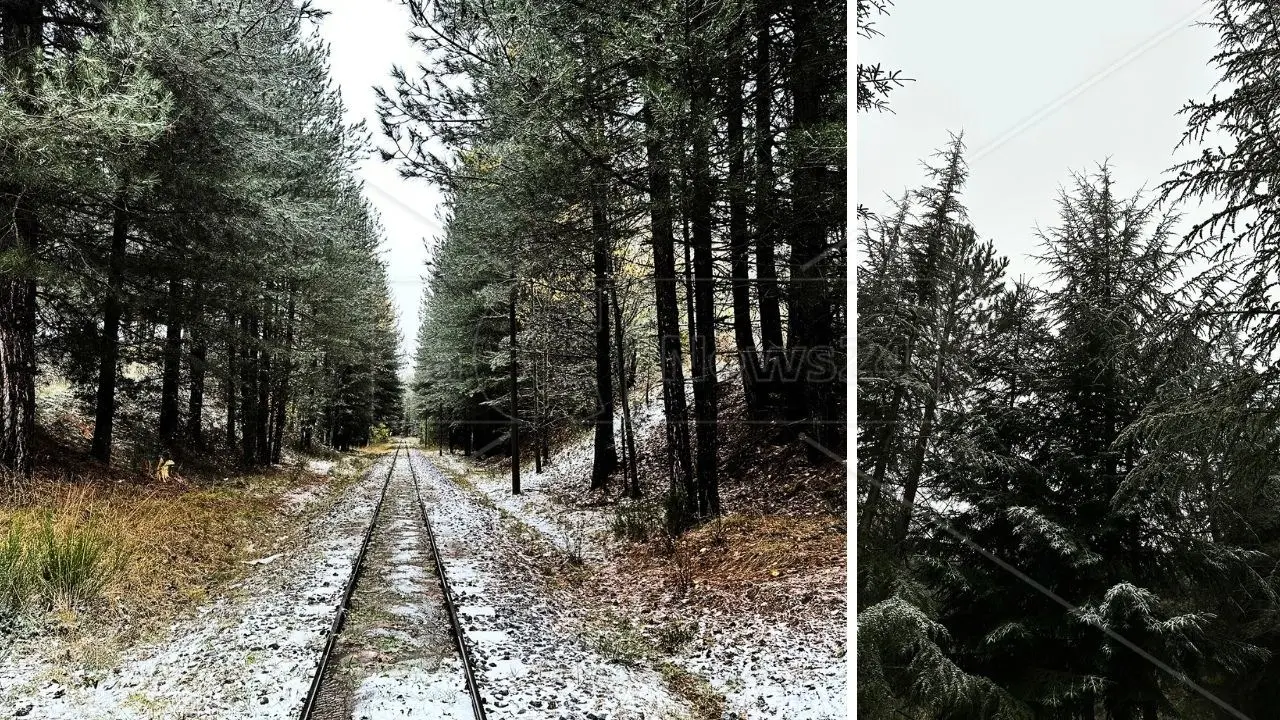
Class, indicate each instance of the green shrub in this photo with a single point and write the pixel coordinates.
(635, 523)
(676, 511)
(380, 435)
(72, 565)
(671, 636)
(619, 640)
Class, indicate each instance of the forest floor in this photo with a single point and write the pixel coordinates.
(745, 617)
(216, 607)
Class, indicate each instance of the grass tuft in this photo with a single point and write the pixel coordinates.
(707, 704)
(72, 564)
(673, 635)
(54, 564)
(15, 573)
(619, 640)
(635, 523)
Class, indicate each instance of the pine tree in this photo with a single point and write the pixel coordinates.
(93, 78)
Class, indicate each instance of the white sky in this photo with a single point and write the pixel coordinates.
(366, 38)
(1005, 70)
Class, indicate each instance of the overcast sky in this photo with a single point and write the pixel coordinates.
(366, 38)
(1039, 89)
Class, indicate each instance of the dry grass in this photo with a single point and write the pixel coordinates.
(707, 704)
(163, 548)
(776, 565)
(376, 449)
(742, 549)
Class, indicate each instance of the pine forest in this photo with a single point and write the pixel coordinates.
(1066, 488)
(473, 359)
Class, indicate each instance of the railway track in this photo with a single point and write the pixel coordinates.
(455, 627)
(311, 709)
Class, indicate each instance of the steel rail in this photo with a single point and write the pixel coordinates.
(473, 689)
(313, 694)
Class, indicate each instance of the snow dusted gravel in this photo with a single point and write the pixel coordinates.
(542, 502)
(251, 652)
(536, 506)
(248, 654)
(767, 669)
(532, 662)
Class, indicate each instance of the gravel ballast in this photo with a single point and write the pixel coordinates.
(533, 662)
(766, 669)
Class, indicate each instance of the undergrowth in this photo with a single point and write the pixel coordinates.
(707, 704)
(619, 640)
(635, 523)
(102, 551)
(51, 563)
(672, 636)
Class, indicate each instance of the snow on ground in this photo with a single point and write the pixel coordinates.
(765, 669)
(251, 653)
(320, 467)
(543, 500)
(248, 654)
(567, 528)
(532, 662)
(410, 690)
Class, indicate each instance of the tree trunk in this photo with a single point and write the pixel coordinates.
(915, 471)
(515, 393)
(171, 373)
(537, 415)
(232, 376)
(667, 309)
(704, 334)
(885, 443)
(249, 389)
(262, 414)
(109, 349)
(197, 368)
(543, 443)
(765, 207)
(22, 25)
(195, 403)
(631, 484)
(605, 459)
(282, 387)
(810, 340)
(739, 238)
